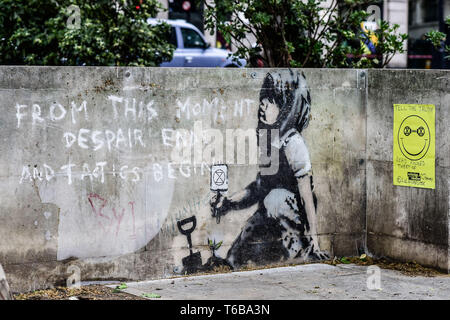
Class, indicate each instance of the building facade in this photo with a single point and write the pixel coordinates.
(423, 16)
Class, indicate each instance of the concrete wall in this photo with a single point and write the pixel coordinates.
(89, 178)
(402, 222)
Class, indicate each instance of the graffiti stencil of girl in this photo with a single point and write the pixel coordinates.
(284, 224)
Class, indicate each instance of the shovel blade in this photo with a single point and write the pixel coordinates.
(192, 263)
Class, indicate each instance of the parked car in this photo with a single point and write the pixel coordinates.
(192, 50)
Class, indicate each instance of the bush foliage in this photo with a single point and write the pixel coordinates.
(82, 32)
(303, 33)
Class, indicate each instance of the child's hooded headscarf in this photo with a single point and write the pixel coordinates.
(287, 89)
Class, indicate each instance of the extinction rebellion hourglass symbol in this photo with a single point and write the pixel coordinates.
(219, 177)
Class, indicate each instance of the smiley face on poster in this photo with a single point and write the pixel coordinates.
(414, 145)
(414, 137)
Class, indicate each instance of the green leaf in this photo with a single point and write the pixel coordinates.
(345, 260)
(151, 295)
(436, 38)
(218, 245)
(122, 286)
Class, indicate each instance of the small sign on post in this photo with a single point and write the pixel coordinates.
(186, 5)
(219, 177)
(219, 183)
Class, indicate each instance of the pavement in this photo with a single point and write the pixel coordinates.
(302, 282)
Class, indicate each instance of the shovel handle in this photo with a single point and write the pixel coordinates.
(181, 223)
(187, 232)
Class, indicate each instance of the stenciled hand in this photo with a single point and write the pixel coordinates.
(220, 205)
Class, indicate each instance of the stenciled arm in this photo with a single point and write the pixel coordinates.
(298, 158)
(243, 199)
(304, 187)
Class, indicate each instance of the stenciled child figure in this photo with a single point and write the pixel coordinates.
(284, 224)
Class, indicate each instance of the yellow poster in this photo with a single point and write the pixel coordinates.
(414, 145)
